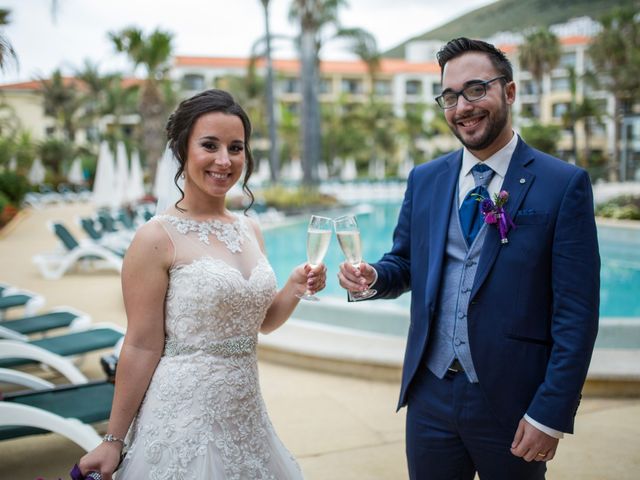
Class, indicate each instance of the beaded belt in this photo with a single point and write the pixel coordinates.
(231, 347)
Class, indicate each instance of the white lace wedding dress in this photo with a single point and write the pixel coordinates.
(203, 416)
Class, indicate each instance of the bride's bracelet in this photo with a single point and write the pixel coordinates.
(109, 437)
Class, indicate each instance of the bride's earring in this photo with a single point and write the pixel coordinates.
(182, 176)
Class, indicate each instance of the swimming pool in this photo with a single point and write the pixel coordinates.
(619, 251)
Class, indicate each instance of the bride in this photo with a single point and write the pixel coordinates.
(197, 289)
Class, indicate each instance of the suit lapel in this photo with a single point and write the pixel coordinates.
(517, 182)
(440, 211)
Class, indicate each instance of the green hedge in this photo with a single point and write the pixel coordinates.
(14, 187)
(623, 207)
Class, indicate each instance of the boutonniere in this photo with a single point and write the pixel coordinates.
(495, 214)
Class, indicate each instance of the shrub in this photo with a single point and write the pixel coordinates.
(542, 137)
(296, 199)
(623, 207)
(14, 187)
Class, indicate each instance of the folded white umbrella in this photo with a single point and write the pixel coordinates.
(36, 172)
(103, 184)
(75, 174)
(121, 180)
(136, 180)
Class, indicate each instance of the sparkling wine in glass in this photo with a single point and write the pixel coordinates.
(318, 238)
(348, 235)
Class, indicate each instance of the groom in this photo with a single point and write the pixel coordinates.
(502, 323)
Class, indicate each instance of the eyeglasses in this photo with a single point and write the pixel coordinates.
(472, 93)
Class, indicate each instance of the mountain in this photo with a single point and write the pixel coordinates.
(514, 16)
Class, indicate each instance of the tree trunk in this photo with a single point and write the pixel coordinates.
(614, 162)
(310, 118)
(152, 111)
(574, 141)
(274, 150)
(587, 143)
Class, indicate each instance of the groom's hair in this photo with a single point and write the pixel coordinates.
(459, 46)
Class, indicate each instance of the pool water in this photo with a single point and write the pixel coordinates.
(619, 251)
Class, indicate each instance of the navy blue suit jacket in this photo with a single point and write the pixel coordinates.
(533, 312)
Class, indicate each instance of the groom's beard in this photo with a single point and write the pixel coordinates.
(495, 126)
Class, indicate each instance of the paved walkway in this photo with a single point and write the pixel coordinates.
(339, 428)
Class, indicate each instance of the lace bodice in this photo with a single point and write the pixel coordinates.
(203, 416)
(220, 284)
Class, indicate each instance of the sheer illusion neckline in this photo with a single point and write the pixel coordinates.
(231, 234)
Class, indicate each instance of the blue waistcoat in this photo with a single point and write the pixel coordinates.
(449, 337)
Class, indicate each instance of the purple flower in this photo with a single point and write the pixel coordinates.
(494, 213)
(486, 206)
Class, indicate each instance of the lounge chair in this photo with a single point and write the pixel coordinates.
(26, 353)
(117, 224)
(54, 265)
(54, 349)
(145, 212)
(113, 241)
(11, 297)
(20, 328)
(67, 410)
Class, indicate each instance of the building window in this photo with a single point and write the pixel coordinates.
(529, 87)
(192, 81)
(93, 134)
(530, 110)
(559, 109)
(413, 87)
(352, 86)
(568, 59)
(436, 89)
(291, 85)
(326, 85)
(382, 87)
(560, 84)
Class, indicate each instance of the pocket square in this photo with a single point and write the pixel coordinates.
(526, 211)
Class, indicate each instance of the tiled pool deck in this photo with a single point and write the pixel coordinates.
(338, 426)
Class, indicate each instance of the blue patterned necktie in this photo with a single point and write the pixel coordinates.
(470, 216)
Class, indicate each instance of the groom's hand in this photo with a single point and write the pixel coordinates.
(533, 444)
(354, 279)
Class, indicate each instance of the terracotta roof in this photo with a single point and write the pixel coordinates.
(36, 85)
(387, 65)
(573, 40)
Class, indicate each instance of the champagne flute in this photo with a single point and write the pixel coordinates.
(318, 238)
(348, 235)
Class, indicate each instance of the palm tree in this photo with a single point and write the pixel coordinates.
(153, 53)
(583, 110)
(412, 128)
(312, 16)
(274, 150)
(540, 53)
(570, 117)
(6, 49)
(614, 52)
(62, 102)
(365, 47)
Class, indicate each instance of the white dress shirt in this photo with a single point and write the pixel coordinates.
(498, 162)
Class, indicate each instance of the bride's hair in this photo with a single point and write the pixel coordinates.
(181, 123)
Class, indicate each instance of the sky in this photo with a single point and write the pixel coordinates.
(227, 28)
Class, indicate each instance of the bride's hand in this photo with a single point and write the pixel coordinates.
(308, 278)
(104, 459)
